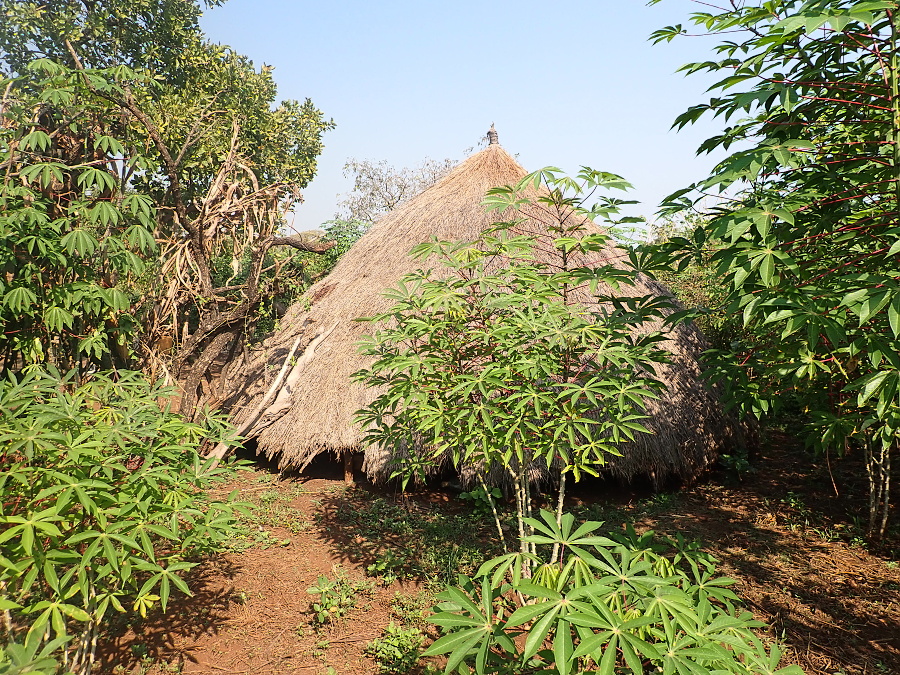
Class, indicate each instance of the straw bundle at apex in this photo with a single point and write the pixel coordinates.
(295, 396)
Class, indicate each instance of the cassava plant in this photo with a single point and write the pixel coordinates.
(491, 361)
(808, 235)
(104, 508)
(74, 235)
(623, 604)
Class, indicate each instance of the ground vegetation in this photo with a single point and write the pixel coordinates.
(800, 562)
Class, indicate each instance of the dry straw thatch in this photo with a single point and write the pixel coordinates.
(297, 408)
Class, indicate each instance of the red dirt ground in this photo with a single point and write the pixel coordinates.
(833, 603)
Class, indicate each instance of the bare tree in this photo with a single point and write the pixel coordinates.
(378, 187)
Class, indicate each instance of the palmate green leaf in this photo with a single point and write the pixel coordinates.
(80, 242)
(708, 587)
(540, 631)
(45, 173)
(458, 645)
(829, 234)
(58, 319)
(141, 238)
(19, 299)
(92, 178)
(111, 146)
(104, 213)
(35, 140)
(115, 299)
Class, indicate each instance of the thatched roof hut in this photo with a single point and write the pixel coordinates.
(296, 394)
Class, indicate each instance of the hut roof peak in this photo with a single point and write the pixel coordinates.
(492, 136)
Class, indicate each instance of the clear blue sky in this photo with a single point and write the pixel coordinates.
(567, 83)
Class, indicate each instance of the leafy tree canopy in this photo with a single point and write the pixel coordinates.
(205, 99)
(192, 125)
(150, 34)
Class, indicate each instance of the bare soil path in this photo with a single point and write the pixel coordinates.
(799, 560)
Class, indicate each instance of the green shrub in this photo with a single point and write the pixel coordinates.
(390, 566)
(624, 604)
(103, 505)
(336, 597)
(397, 650)
(480, 499)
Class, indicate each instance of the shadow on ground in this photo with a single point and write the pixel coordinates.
(187, 619)
(781, 533)
(800, 563)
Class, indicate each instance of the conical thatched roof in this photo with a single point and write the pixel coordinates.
(314, 409)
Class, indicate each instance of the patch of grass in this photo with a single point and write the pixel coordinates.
(797, 514)
(792, 513)
(271, 509)
(432, 544)
(659, 503)
(390, 567)
(397, 650)
(285, 517)
(375, 518)
(249, 536)
(412, 609)
(604, 513)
